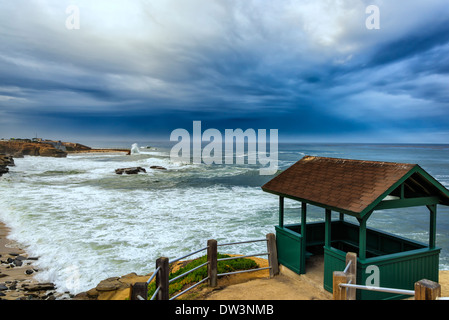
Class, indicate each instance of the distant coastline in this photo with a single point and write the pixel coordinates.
(48, 148)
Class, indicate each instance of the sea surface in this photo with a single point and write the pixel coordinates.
(86, 223)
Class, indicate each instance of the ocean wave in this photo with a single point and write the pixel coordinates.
(127, 230)
(87, 223)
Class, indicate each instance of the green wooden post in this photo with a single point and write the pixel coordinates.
(303, 236)
(327, 228)
(433, 225)
(362, 238)
(281, 212)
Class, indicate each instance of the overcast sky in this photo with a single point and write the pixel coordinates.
(142, 68)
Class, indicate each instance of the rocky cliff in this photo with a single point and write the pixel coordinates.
(19, 149)
(5, 162)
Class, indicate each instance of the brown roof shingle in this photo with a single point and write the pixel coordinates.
(350, 185)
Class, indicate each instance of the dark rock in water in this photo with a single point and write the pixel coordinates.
(3, 170)
(134, 170)
(158, 168)
(5, 161)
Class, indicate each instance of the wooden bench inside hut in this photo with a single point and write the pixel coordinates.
(358, 189)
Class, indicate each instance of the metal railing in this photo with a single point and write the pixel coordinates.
(188, 272)
(379, 289)
(344, 289)
(241, 257)
(139, 291)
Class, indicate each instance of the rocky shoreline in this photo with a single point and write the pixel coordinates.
(17, 273)
(19, 149)
(5, 162)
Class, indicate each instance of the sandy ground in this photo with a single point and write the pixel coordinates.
(286, 286)
(259, 286)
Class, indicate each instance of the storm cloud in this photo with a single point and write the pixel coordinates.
(311, 69)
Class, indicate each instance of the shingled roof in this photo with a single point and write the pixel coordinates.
(349, 186)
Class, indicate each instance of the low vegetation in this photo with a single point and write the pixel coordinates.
(201, 273)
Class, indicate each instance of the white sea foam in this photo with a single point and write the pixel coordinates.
(67, 212)
(87, 223)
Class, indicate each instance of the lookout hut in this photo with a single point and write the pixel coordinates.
(358, 189)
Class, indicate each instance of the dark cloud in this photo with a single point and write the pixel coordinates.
(310, 69)
(417, 42)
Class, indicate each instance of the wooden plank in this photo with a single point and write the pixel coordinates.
(162, 278)
(427, 290)
(338, 292)
(139, 289)
(424, 189)
(212, 268)
(273, 255)
(351, 274)
(404, 203)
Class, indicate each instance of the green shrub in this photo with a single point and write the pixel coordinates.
(201, 273)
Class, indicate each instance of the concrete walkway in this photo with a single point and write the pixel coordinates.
(286, 286)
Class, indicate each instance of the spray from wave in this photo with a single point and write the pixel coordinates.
(135, 149)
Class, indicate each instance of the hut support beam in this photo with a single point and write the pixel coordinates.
(362, 238)
(303, 235)
(327, 227)
(281, 211)
(433, 225)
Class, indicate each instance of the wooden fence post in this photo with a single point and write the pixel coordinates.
(427, 290)
(339, 293)
(272, 254)
(162, 278)
(139, 289)
(212, 269)
(351, 274)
